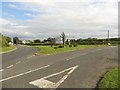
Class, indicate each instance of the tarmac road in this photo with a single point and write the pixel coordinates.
(14, 56)
(74, 69)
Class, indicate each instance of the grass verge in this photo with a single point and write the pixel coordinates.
(6, 49)
(51, 50)
(110, 80)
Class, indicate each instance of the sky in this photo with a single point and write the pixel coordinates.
(38, 19)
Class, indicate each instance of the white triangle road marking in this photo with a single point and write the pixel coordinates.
(43, 83)
(21, 74)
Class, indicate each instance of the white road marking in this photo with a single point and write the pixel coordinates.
(77, 56)
(112, 46)
(1, 70)
(43, 83)
(70, 58)
(18, 62)
(24, 73)
(10, 66)
(33, 55)
(83, 54)
(30, 56)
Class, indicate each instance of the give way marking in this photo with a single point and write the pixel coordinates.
(43, 83)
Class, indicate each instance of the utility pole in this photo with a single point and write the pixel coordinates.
(108, 38)
(63, 38)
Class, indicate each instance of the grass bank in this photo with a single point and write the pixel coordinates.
(6, 49)
(51, 50)
(110, 80)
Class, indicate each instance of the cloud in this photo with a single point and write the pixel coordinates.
(30, 15)
(77, 18)
(4, 22)
(12, 5)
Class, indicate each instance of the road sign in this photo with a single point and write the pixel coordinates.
(44, 83)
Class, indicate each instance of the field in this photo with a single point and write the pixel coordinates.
(51, 50)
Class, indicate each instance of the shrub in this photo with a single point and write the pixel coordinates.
(70, 45)
(75, 45)
(61, 46)
(3, 41)
(55, 47)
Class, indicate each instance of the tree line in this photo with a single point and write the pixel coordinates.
(87, 41)
(5, 40)
(94, 41)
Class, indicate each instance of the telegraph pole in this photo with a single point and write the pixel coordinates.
(108, 38)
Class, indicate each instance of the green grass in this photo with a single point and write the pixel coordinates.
(110, 79)
(51, 50)
(6, 49)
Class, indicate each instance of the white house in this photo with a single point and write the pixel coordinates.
(25, 41)
(10, 43)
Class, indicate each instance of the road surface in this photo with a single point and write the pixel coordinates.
(75, 69)
(14, 56)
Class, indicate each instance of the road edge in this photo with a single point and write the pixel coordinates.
(9, 51)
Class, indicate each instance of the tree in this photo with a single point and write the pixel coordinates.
(3, 41)
(72, 41)
(51, 40)
(15, 40)
(63, 38)
(8, 39)
(37, 41)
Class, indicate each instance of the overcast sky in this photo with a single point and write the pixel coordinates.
(39, 19)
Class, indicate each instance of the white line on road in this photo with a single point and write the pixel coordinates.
(77, 56)
(24, 73)
(30, 57)
(43, 83)
(18, 62)
(10, 66)
(1, 70)
(70, 58)
(113, 46)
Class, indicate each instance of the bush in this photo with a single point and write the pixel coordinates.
(3, 41)
(55, 47)
(70, 45)
(75, 45)
(61, 46)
